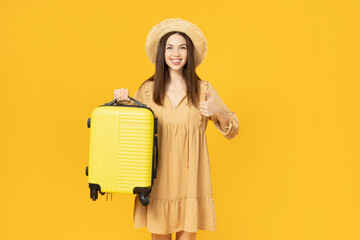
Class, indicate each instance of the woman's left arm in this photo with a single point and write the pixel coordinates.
(223, 117)
(225, 120)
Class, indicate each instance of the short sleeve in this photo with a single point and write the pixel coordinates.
(228, 131)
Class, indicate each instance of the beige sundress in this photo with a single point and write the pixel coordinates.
(181, 196)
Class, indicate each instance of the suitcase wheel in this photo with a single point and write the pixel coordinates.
(89, 122)
(94, 194)
(94, 188)
(144, 199)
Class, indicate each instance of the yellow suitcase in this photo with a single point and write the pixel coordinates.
(123, 156)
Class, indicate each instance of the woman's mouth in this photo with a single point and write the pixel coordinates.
(176, 61)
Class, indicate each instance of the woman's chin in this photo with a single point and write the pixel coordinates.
(176, 68)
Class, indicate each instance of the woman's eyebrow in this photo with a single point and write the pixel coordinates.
(179, 45)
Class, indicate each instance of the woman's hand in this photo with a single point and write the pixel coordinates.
(209, 107)
(122, 95)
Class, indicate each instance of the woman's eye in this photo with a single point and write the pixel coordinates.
(181, 48)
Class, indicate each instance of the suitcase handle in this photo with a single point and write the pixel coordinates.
(136, 101)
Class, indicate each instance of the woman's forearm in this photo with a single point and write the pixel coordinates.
(223, 117)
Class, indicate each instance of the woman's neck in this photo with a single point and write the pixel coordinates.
(176, 78)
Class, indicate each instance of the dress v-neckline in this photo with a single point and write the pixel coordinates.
(171, 105)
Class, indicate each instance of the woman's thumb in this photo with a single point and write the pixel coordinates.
(208, 94)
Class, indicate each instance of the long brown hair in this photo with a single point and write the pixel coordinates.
(161, 77)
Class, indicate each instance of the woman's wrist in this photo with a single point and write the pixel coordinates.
(223, 116)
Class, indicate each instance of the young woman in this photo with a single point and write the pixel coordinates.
(181, 198)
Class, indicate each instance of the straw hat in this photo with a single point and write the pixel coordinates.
(181, 25)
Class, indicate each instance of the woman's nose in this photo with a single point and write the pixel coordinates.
(176, 52)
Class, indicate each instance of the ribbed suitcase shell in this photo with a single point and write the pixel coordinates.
(121, 148)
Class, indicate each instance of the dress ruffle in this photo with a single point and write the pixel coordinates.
(148, 92)
(229, 131)
(165, 216)
(204, 86)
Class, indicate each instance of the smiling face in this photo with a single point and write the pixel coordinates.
(175, 50)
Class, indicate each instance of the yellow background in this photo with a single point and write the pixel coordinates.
(289, 69)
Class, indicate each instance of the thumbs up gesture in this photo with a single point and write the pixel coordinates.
(209, 107)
